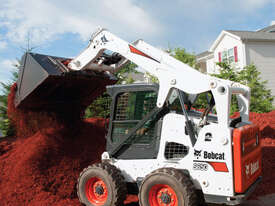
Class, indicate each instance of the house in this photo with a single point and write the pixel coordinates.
(241, 48)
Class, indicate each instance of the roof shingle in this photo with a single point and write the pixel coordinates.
(253, 35)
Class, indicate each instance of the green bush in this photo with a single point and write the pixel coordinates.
(261, 98)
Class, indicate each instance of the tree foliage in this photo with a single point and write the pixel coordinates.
(123, 74)
(182, 55)
(190, 59)
(152, 78)
(101, 106)
(98, 107)
(261, 97)
(5, 124)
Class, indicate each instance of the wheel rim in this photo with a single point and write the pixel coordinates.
(162, 195)
(96, 191)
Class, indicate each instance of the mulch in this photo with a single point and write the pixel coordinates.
(40, 166)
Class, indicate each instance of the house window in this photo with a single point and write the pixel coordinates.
(229, 56)
(224, 56)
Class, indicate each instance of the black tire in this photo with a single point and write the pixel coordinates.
(101, 184)
(179, 185)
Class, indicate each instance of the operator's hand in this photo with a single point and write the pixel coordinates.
(203, 122)
(141, 131)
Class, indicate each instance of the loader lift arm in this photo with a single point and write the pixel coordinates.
(107, 52)
(169, 71)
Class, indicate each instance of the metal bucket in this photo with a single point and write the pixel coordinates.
(44, 81)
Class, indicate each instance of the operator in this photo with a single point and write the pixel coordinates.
(205, 113)
(151, 123)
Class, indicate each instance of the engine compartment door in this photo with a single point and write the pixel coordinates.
(247, 157)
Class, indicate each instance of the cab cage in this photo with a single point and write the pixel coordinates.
(116, 147)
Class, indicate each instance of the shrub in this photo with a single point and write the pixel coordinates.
(261, 97)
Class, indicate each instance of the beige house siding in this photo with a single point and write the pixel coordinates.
(262, 54)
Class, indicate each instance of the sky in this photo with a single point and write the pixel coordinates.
(63, 28)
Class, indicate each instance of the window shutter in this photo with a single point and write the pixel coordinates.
(220, 57)
(236, 54)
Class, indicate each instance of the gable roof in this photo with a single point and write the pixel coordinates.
(220, 37)
(253, 35)
(265, 34)
(268, 29)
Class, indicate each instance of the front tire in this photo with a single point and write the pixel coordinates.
(101, 185)
(168, 186)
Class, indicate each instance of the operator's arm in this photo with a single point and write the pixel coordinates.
(206, 111)
(151, 123)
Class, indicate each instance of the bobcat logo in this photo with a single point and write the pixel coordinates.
(197, 153)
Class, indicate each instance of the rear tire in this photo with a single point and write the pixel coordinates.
(168, 186)
(101, 185)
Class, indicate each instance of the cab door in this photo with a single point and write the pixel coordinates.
(131, 105)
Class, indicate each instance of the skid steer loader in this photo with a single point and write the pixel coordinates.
(157, 143)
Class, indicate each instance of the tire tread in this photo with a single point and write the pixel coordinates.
(188, 186)
(117, 181)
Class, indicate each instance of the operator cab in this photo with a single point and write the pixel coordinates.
(132, 108)
(136, 122)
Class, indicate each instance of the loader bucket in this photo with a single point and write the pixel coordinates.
(45, 82)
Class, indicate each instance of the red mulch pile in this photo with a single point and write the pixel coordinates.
(41, 165)
(266, 123)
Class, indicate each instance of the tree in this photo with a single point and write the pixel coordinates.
(190, 59)
(182, 55)
(122, 74)
(101, 106)
(261, 97)
(5, 124)
(151, 78)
